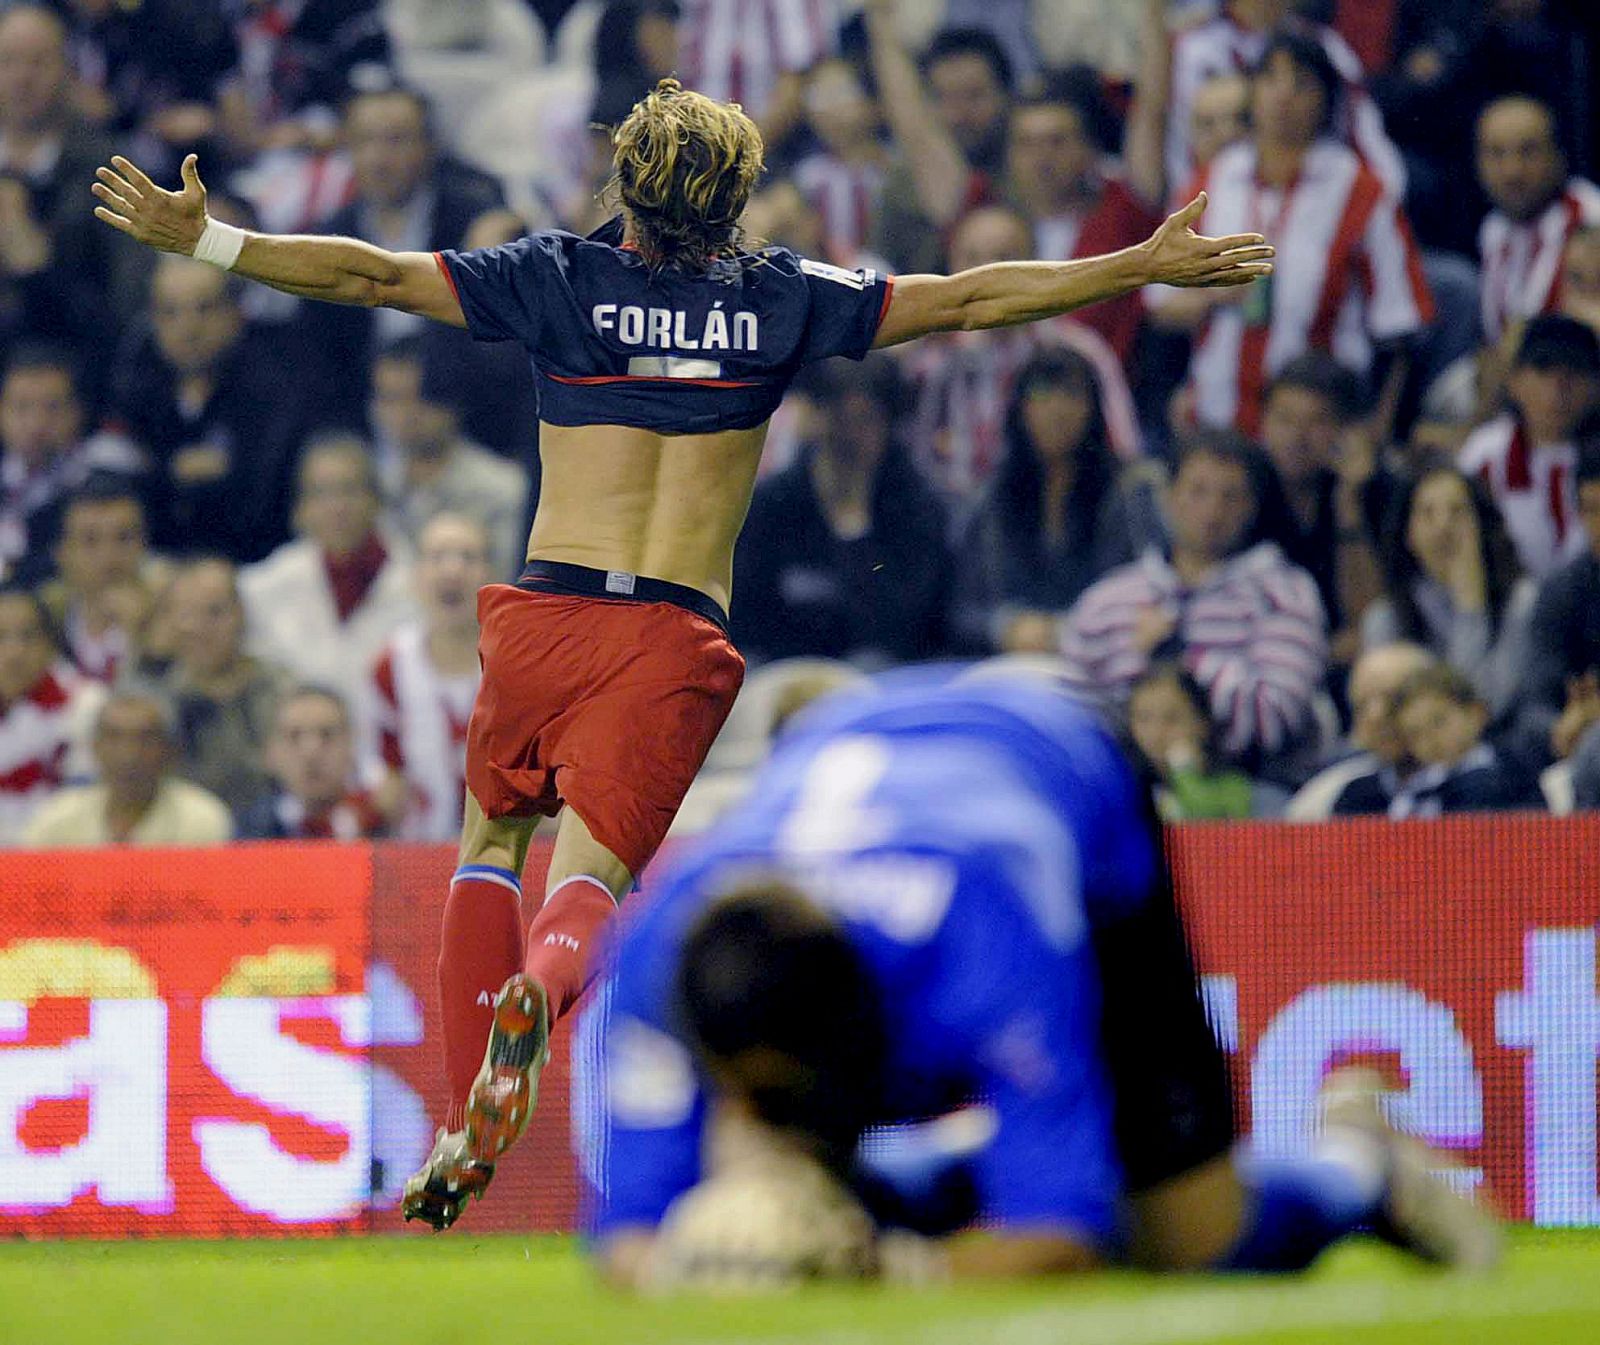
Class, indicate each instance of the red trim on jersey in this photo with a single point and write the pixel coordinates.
(1365, 193)
(591, 379)
(888, 294)
(444, 270)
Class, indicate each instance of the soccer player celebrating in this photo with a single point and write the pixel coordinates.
(660, 348)
(858, 945)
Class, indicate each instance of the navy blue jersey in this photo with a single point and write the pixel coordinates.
(965, 837)
(616, 343)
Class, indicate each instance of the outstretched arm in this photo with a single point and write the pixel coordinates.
(1007, 294)
(339, 270)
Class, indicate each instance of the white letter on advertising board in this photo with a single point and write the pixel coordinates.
(120, 1067)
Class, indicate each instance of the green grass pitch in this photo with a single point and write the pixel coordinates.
(453, 1290)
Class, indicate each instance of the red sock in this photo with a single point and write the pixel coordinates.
(480, 947)
(561, 938)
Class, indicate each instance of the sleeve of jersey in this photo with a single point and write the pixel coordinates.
(1027, 1012)
(498, 287)
(646, 1148)
(846, 310)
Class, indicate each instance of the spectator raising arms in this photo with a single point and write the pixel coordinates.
(1452, 584)
(1062, 512)
(1349, 279)
(1241, 618)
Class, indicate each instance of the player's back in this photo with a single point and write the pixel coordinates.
(655, 386)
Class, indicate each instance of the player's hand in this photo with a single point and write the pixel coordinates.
(1176, 255)
(169, 221)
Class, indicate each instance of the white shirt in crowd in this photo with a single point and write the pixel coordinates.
(1522, 262)
(44, 744)
(1534, 489)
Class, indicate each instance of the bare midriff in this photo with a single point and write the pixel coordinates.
(668, 506)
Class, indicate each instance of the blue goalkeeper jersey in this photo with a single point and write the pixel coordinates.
(966, 837)
(614, 342)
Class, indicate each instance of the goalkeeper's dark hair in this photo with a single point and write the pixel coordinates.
(772, 993)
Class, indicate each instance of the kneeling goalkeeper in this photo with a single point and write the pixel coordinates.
(940, 893)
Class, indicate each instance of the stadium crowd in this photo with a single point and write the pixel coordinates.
(1329, 544)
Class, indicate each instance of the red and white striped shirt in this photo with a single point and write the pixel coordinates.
(1253, 634)
(963, 383)
(1522, 262)
(44, 737)
(1222, 47)
(1534, 489)
(1347, 275)
(419, 718)
(845, 195)
(736, 50)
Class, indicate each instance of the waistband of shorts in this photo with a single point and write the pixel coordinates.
(547, 576)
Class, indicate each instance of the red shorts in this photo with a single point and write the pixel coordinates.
(607, 705)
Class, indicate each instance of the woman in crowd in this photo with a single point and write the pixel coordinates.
(1063, 511)
(1452, 584)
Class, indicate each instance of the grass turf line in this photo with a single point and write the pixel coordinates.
(452, 1290)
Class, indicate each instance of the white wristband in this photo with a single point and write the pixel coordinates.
(220, 244)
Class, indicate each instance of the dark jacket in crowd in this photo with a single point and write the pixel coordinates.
(344, 336)
(879, 599)
(255, 416)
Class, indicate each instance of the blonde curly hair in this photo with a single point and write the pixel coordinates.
(684, 166)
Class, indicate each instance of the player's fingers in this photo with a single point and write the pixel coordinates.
(1248, 254)
(111, 198)
(1233, 241)
(120, 185)
(133, 173)
(114, 220)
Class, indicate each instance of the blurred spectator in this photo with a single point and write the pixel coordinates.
(1348, 279)
(843, 180)
(1062, 512)
(1237, 39)
(45, 714)
(311, 755)
(1058, 172)
(1452, 584)
(409, 197)
(1169, 719)
(211, 399)
(44, 456)
(1564, 633)
(756, 55)
(963, 380)
(224, 698)
(1442, 720)
(1241, 618)
(107, 581)
(1537, 208)
(148, 69)
(636, 43)
(59, 269)
(138, 800)
(1525, 458)
(324, 605)
(298, 61)
(950, 140)
(843, 555)
(424, 683)
(1375, 760)
(1309, 431)
(1580, 277)
(427, 466)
